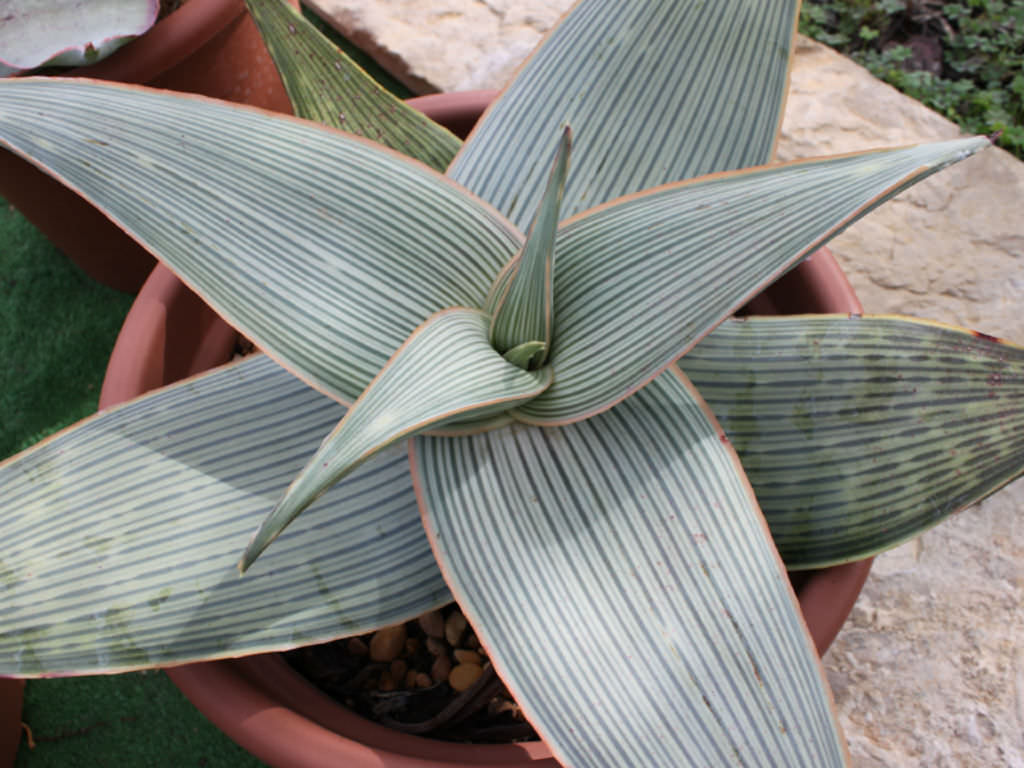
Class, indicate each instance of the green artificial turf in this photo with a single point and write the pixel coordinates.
(57, 327)
(121, 721)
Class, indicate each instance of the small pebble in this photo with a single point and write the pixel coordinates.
(462, 656)
(386, 644)
(423, 680)
(464, 675)
(387, 683)
(454, 626)
(436, 647)
(432, 624)
(441, 667)
(357, 647)
(410, 679)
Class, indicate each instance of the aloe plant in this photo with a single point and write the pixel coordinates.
(37, 33)
(491, 354)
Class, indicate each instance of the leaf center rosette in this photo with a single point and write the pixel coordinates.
(462, 371)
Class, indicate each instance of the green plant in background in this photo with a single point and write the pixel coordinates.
(971, 70)
(519, 319)
(37, 33)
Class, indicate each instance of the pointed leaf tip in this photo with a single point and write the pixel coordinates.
(684, 277)
(846, 457)
(523, 311)
(673, 133)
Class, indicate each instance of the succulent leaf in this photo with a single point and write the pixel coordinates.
(522, 311)
(649, 275)
(858, 433)
(324, 249)
(121, 534)
(446, 371)
(620, 576)
(326, 86)
(656, 92)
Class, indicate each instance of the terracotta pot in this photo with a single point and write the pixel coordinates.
(260, 702)
(10, 719)
(210, 47)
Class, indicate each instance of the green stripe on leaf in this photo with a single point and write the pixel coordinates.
(323, 248)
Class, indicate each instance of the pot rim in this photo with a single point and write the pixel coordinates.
(273, 712)
(168, 42)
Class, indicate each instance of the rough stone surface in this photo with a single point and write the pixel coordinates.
(929, 670)
(456, 45)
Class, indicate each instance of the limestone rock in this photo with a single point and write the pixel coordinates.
(929, 671)
(455, 45)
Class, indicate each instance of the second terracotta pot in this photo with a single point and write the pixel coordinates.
(260, 702)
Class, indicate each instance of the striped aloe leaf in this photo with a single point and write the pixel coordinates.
(858, 433)
(655, 91)
(642, 279)
(326, 86)
(447, 371)
(325, 249)
(620, 575)
(120, 536)
(521, 303)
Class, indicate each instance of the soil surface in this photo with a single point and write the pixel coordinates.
(429, 676)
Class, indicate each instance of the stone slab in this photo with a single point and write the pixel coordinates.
(929, 670)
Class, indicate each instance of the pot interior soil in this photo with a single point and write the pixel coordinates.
(428, 677)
